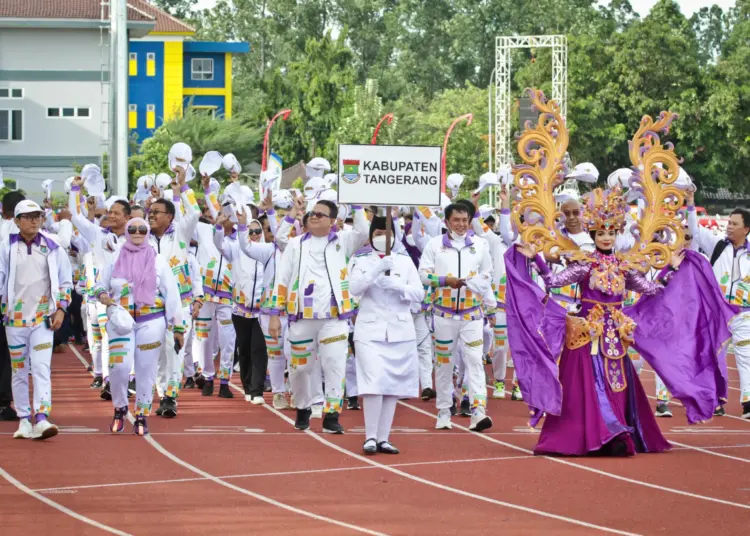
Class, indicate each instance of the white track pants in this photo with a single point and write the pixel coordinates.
(276, 354)
(449, 333)
(140, 349)
(326, 340)
(169, 373)
(215, 323)
(424, 349)
(35, 344)
(741, 340)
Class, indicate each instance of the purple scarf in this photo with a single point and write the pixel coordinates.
(137, 265)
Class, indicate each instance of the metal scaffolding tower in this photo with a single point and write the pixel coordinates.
(503, 48)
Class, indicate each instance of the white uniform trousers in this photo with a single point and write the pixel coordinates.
(500, 350)
(97, 338)
(277, 353)
(215, 323)
(188, 366)
(140, 350)
(326, 340)
(351, 375)
(424, 349)
(34, 343)
(449, 333)
(741, 340)
(169, 373)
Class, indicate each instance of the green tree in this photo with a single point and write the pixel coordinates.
(182, 9)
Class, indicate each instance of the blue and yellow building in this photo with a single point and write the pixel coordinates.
(168, 74)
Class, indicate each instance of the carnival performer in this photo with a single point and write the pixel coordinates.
(142, 283)
(35, 282)
(384, 337)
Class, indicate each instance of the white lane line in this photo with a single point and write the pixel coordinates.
(430, 483)
(707, 451)
(59, 507)
(586, 468)
(208, 476)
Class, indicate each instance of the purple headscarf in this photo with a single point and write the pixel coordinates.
(137, 265)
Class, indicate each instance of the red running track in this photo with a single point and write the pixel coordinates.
(227, 466)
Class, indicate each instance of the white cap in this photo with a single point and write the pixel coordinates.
(331, 179)
(317, 167)
(585, 172)
(505, 175)
(93, 179)
(163, 180)
(620, 177)
(210, 163)
(27, 206)
(47, 188)
(231, 164)
(488, 179)
(112, 199)
(282, 199)
(180, 154)
(454, 181)
(313, 187)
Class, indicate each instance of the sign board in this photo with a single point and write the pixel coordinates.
(389, 175)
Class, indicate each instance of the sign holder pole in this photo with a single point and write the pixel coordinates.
(388, 233)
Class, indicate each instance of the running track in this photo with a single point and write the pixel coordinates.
(234, 468)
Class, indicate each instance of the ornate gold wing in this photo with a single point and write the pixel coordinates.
(658, 234)
(542, 150)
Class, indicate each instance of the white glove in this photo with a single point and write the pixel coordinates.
(393, 283)
(386, 263)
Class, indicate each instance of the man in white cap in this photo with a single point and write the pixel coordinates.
(36, 282)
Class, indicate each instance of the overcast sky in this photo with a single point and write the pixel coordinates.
(641, 6)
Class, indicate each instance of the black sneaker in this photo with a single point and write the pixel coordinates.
(131, 386)
(160, 410)
(86, 347)
(428, 394)
(331, 424)
(746, 410)
(353, 403)
(662, 410)
(720, 411)
(224, 391)
(90, 368)
(465, 408)
(208, 388)
(189, 383)
(454, 408)
(170, 408)
(106, 393)
(488, 359)
(267, 385)
(200, 381)
(7, 413)
(97, 383)
(303, 419)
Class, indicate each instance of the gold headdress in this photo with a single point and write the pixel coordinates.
(604, 210)
(655, 168)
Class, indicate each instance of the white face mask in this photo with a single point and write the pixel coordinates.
(378, 243)
(456, 236)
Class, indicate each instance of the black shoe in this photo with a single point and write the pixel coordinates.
(85, 347)
(428, 394)
(385, 447)
(170, 408)
(487, 359)
(208, 388)
(97, 383)
(303, 419)
(454, 408)
(370, 447)
(225, 392)
(106, 393)
(90, 368)
(331, 424)
(746, 410)
(160, 410)
(189, 383)
(7, 413)
(267, 385)
(662, 410)
(200, 381)
(720, 411)
(353, 403)
(465, 408)
(131, 387)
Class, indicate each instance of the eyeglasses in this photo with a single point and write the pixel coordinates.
(574, 213)
(255, 231)
(157, 212)
(141, 229)
(31, 217)
(315, 214)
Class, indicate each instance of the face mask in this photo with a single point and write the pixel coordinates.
(456, 236)
(378, 243)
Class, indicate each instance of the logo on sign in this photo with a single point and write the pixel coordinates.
(351, 171)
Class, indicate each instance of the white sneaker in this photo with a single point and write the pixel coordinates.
(499, 391)
(443, 420)
(44, 430)
(25, 430)
(480, 422)
(257, 400)
(248, 398)
(317, 411)
(280, 401)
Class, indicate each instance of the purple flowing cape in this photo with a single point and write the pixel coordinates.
(681, 332)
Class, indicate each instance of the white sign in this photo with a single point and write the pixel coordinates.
(389, 175)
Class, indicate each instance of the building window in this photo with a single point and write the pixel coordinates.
(11, 125)
(132, 116)
(151, 56)
(150, 64)
(133, 64)
(83, 112)
(53, 112)
(151, 116)
(68, 112)
(209, 111)
(202, 69)
(11, 93)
